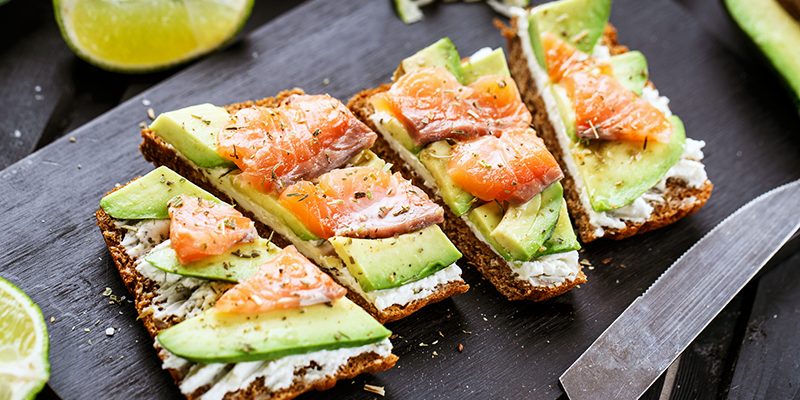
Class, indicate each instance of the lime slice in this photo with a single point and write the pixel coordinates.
(146, 35)
(24, 368)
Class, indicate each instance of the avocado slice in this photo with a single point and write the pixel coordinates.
(192, 131)
(367, 159)
(215, 337)
(233, 266)
(776, 33)
(443, 53)
(434, 157)
(391, 262)
(269, 202)
(391, 125)
(148, 196)
(579, 22)
(615, 173)
(631, 70)
(563, 238)
(565, 110)
(493, 63)
(485, 218)
(525, 227)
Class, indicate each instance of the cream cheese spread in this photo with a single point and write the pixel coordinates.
(688, 168)
(186, 297)
(278, 374)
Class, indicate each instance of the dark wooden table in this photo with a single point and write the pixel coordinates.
(751, 350)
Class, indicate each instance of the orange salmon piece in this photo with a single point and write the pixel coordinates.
(433, 105)
(514, 167)
(201, 228)
(302, 138)
(361, 202)
(604, 108)
(285, 281)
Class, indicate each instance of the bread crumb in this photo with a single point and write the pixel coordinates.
(110, 331)
(151, 114)
(379, 390)
(460, 347)
(73, 139)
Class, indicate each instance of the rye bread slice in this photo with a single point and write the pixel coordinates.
(680, 200)
(157, 151)
(143, 290)
(477, 252)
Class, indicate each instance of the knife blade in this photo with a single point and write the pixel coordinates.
(647, 337)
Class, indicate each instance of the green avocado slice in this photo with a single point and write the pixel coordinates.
(192, 131)
(233, 266)
(442, 53)
(775, 31)
(215, 337)
(525, 227)
(617, 173)
(563, 238)
(391, 262)
(565, 110)
(579, 22)
(485, 218)
(493, 63)
(434, 157)
(148, 196)
(630, 69)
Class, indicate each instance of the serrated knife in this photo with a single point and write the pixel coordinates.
(647, 337)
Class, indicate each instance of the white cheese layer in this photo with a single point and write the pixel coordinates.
(321, 252)
(689, 168)
(184, 297)
(548, 272)
(278, 374)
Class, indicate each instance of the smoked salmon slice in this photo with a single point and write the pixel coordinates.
(287, 280)
(514, 167)
(361, 202)
(202, 228)
(604, 108)
(433, 105)
(302, 138)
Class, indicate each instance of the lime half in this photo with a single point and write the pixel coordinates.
(24, 368)
(147, 35)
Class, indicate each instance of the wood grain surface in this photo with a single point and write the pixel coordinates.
(51, 248)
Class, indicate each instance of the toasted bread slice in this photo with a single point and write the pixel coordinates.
(476, 251)
(157, 151)
(680, 200)
(144, 292)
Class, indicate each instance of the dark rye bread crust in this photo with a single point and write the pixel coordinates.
(143, 289)
(478, 253)
(676, 203)
(159, 152)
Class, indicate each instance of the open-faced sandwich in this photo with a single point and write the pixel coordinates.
(233, 315)
(629, 167)
(460, 130)
(301, 165)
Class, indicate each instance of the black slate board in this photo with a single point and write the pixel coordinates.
(51, 248)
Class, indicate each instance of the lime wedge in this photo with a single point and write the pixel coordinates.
(24, 368)
(147, 35)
